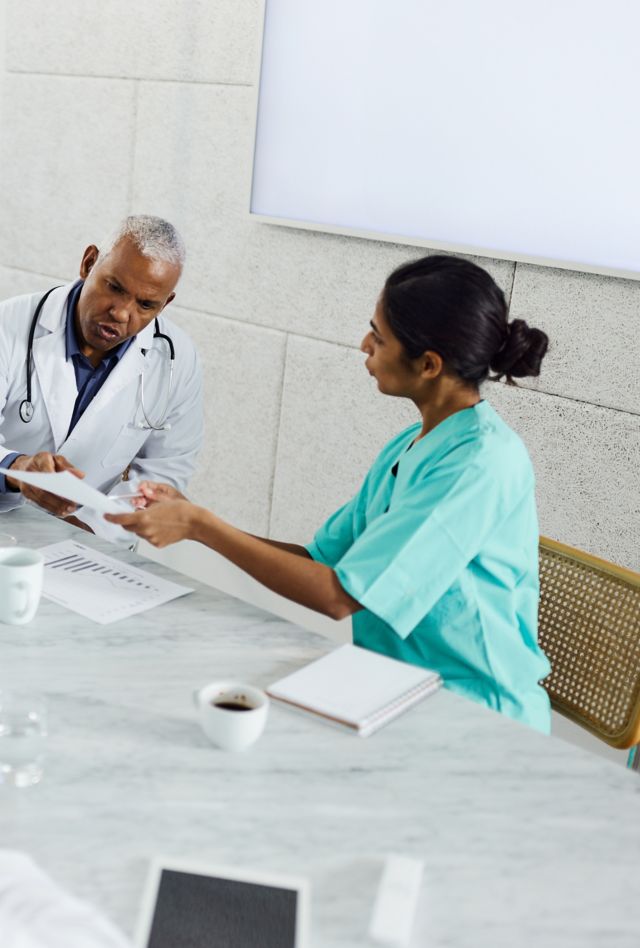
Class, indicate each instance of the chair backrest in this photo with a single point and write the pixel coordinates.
(589, 627)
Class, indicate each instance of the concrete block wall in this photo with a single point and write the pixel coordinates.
(3, 47)
(111, 107)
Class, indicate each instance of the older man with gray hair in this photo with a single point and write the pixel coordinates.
(93, 381)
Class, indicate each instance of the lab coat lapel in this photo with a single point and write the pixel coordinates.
(55, 375)
(126, 374)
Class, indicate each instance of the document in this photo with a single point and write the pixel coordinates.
(67, 485)
(101, 587)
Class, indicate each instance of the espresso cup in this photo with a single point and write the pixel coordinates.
(231, 714)
(21, 575)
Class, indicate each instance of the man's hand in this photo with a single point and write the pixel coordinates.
(44, 462)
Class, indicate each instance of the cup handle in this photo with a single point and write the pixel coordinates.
(21, 613)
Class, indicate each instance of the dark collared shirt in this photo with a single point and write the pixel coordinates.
(89, 378)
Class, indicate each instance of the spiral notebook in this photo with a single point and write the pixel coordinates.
(356, 688)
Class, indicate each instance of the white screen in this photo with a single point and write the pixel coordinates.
(502, 127)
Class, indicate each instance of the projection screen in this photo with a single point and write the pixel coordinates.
(500, 128)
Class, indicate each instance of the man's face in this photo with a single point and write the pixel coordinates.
(122, 293)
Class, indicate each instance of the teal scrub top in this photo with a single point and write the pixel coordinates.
(443, 557)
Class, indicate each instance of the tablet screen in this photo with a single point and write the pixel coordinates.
(206, 911)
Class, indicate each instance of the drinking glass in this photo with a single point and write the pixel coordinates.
(7, 540)
(23, 733)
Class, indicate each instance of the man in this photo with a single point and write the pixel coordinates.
(106, 387)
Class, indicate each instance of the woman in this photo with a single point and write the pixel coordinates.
(436, 557)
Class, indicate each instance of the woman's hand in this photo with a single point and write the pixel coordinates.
(153, 492)
(163, 522)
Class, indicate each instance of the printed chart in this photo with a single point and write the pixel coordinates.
(101, 587)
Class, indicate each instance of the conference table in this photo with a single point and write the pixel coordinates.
(526, 840)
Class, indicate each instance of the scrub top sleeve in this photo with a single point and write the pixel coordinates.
(339, 532)
(336, 535)
(408, 558)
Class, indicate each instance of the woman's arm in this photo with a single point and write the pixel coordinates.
(294, 548)
(281, 567)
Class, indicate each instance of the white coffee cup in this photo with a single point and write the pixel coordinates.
(21, 575)
(231, 728)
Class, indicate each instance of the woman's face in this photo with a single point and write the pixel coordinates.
(387, 361)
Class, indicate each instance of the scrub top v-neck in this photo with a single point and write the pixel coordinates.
(440, 547)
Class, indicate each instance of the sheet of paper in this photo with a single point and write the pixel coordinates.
(101, 587)
(67, 485)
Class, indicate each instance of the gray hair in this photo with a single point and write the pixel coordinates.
(154, 237)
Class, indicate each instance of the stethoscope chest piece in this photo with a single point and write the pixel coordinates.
(26, 411)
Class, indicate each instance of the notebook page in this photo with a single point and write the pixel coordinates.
(350, 684)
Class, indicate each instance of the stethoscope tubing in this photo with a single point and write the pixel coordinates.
(25, 409)
(160, 426)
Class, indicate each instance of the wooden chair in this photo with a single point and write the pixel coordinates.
(589, 627)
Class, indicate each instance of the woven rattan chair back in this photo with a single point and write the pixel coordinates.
(589, 627)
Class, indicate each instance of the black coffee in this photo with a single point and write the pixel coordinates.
(232, 705)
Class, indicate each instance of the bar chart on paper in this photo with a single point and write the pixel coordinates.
(101, 587)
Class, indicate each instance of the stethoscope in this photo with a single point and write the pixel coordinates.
(26, 405)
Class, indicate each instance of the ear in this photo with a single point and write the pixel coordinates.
(89, 258)
(171, 296)
(431, 365)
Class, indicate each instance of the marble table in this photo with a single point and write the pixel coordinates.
(526, 840)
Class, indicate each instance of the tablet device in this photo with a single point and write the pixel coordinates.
(221, 907)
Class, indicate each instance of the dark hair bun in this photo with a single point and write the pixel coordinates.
(522, 351)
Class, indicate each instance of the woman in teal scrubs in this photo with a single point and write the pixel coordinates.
(436, 557)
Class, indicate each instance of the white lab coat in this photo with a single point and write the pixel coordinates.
(108, 437)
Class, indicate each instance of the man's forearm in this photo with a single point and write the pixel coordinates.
(78, 523)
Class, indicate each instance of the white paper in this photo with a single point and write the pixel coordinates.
(396, 901)
(67, 485)
(101, 587)
(34, 911)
